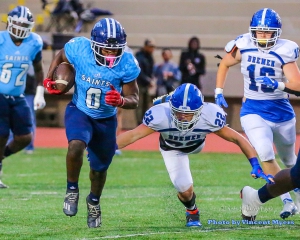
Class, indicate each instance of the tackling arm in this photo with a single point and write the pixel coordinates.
(231, 135)
(133, 135)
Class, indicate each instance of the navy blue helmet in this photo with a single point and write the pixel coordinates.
(20, 22)
(186, 99)
(266, 20)
(108, 34)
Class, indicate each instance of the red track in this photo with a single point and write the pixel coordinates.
(55, 138)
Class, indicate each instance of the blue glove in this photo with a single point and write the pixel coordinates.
(268, 82)
(219, 98)
(257, 172)
(162, 99)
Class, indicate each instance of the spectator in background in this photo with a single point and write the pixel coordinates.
(167, 73)
(145, 79)
(192, 63)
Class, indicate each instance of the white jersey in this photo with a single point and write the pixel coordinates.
(158, 118)
(256, 63)
(272, 105)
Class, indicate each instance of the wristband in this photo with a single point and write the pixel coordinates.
(218, 91)
(40, 91)
(253, 161)
(281, 86)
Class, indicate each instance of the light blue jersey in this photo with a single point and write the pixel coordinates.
(93, 81)
(15, 62)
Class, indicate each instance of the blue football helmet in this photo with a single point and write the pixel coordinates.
(109, 34)
(20, 22)
(187, 98)
(267, 20)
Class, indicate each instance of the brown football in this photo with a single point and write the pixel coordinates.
(64, 76)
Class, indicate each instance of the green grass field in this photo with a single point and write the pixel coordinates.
(138, 202)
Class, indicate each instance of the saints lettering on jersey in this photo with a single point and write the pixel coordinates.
(93, 80)
(15, 62)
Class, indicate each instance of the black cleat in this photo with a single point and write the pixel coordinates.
(93, 214)
(71, 202)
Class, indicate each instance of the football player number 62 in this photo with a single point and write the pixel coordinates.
(6, 73)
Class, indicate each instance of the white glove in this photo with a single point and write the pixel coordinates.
(39, 100)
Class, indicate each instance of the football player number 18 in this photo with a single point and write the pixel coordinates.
(264, 71)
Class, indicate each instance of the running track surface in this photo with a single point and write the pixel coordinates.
(56, 138)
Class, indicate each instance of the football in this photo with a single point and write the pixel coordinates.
(64, 77)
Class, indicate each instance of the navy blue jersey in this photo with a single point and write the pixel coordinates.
(93, 81)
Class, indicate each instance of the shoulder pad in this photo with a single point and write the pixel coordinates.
(230, 46)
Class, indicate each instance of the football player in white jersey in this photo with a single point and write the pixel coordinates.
(267, 116)
(183, 123)
(20, 48)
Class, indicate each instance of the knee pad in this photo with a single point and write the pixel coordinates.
(182, 184)
(265, 153)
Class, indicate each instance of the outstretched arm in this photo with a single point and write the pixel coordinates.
(231, 135)
(133, 135)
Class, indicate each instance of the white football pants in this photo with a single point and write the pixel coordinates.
(178, 167)
(262, 133)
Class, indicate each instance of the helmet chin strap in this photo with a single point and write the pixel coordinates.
(110, 59)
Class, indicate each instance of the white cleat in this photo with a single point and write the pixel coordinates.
(2, 185)
(289, 208)
(250, 203)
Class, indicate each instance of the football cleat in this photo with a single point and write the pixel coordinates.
(289, 208)
(2, 185)
(93, 214)
(118, 152)
(250, 203)
(71, 202)
(193, 218)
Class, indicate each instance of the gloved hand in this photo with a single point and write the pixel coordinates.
(49, 85)
(268, 82)
(257, 172)
(162, 99)
(39, 100)
(219, 98)
(114, 98)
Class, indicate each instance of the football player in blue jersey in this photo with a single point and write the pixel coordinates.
(183, 122)
(19, 48)
(103, 71)
(267, 116)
